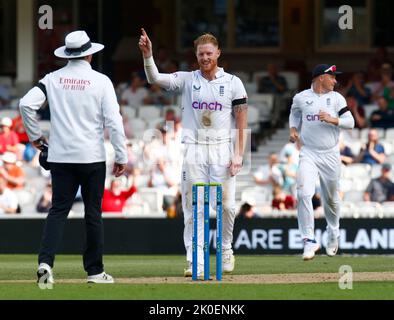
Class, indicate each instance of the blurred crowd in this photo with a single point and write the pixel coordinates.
(155, 159)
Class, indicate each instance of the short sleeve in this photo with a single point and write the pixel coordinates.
(239, 95)
(379, 148)
(341, 104)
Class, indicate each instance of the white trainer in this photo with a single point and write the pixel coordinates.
(228, 261)
(100, 278)
(45, 274)
(188, 272)
(332, 245)
(310, 248)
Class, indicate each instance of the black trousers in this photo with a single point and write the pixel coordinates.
(66, 179)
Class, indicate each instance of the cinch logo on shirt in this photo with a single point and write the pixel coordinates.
(213, 106)
(312, 117)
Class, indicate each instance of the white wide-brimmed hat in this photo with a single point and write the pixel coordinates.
(78, 45)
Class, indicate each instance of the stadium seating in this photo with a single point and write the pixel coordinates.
(138, 127)
(292, 78)
(264, 104)
(147, 112)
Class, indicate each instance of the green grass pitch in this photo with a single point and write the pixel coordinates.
(17, 275)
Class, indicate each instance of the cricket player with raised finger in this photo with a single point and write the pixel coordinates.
(316, 117)
(214, 119)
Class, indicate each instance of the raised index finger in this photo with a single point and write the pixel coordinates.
(144, 33)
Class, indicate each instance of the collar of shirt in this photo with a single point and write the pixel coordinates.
(79, 63)
(219, 74)
(319, 94)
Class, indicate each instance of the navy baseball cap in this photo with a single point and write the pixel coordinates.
(321, 69)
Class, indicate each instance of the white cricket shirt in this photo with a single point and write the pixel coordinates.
(207, 106)
(315, 134)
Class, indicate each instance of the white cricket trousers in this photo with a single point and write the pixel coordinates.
(327, 167)
(205, 164)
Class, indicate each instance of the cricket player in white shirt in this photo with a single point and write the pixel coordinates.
(316, 117)
(214, 105)
(82, 103)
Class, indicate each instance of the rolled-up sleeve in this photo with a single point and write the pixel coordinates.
(113, 122)
(28, 106)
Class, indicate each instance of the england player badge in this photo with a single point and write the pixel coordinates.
(221, 91)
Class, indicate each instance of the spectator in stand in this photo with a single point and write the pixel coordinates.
(293, 148)
(163, 60)
(269, 175)
(385, 82)
(45, 202)
(166, 178)
(8, 139)
(11, 172)
(389, 96)
(132, 160)
(282, 201)
(8, 199)
(115, 198)
(357, 111)
(357, 89)
(347, 156)
(246, 211)
(273, 82)
(4, 96)
(376, 62)
(178, 133)
(169, 115)
(373, 152)
(383, 117)
(381, 189)
(136, 93)
(18, 127)
(28, 151)
(289, 171)
(156, 96)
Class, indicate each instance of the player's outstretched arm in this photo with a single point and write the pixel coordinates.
(153, 76)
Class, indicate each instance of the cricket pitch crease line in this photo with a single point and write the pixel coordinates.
(289, 278)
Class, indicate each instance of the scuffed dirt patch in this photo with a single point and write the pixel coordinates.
(240, 279)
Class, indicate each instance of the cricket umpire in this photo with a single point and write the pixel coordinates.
(82, 104)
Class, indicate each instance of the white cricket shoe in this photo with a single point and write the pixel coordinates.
(100, 278)
(45, 274)
(188, 272)
(332, 245)
(310, 248)
(228, 261)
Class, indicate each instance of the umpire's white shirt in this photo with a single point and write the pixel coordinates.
(82, 103)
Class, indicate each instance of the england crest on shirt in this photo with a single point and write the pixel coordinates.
(221, 91)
